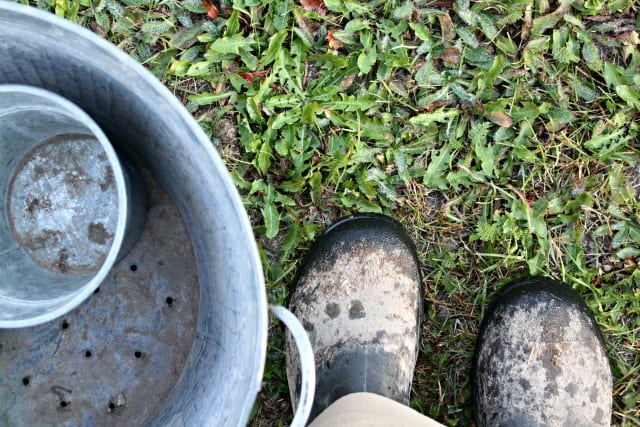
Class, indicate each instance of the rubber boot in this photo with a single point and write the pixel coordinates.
(540, 360)
(358, 295)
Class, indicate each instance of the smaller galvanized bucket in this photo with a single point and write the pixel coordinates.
(64, 210)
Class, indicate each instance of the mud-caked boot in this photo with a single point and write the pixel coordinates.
(358, 295)
(540, 360)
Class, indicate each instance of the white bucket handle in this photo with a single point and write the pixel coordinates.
(307, 364)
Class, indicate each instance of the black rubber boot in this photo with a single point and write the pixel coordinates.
(358, 295)
(540, 360)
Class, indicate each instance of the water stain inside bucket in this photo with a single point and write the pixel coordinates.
(63, 204)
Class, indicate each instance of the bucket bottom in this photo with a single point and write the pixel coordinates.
(115, 358)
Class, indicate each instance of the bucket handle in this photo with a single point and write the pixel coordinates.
(307, 364)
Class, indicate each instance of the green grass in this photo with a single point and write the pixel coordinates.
(503, 134)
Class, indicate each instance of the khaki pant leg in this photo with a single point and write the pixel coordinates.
(368, 409)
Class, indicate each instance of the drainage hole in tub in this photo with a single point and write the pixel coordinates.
(97, 290)
(26, 380)
(116, 403)
(169, 301)
(133, 267)
(87, 353)
(65, 324)
(137, 354)
(64, 403)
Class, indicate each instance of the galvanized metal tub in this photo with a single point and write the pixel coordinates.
(223, 369)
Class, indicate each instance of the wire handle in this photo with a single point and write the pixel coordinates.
(307, 364)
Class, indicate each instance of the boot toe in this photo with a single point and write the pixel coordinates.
(358, 295)
(541, 360)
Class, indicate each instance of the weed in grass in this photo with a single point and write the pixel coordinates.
(503, 135)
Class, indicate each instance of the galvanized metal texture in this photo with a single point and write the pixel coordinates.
(114, 359)
(63, 204)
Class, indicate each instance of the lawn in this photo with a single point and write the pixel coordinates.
(502, 134)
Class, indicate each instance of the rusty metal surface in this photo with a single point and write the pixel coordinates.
(115, 358)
